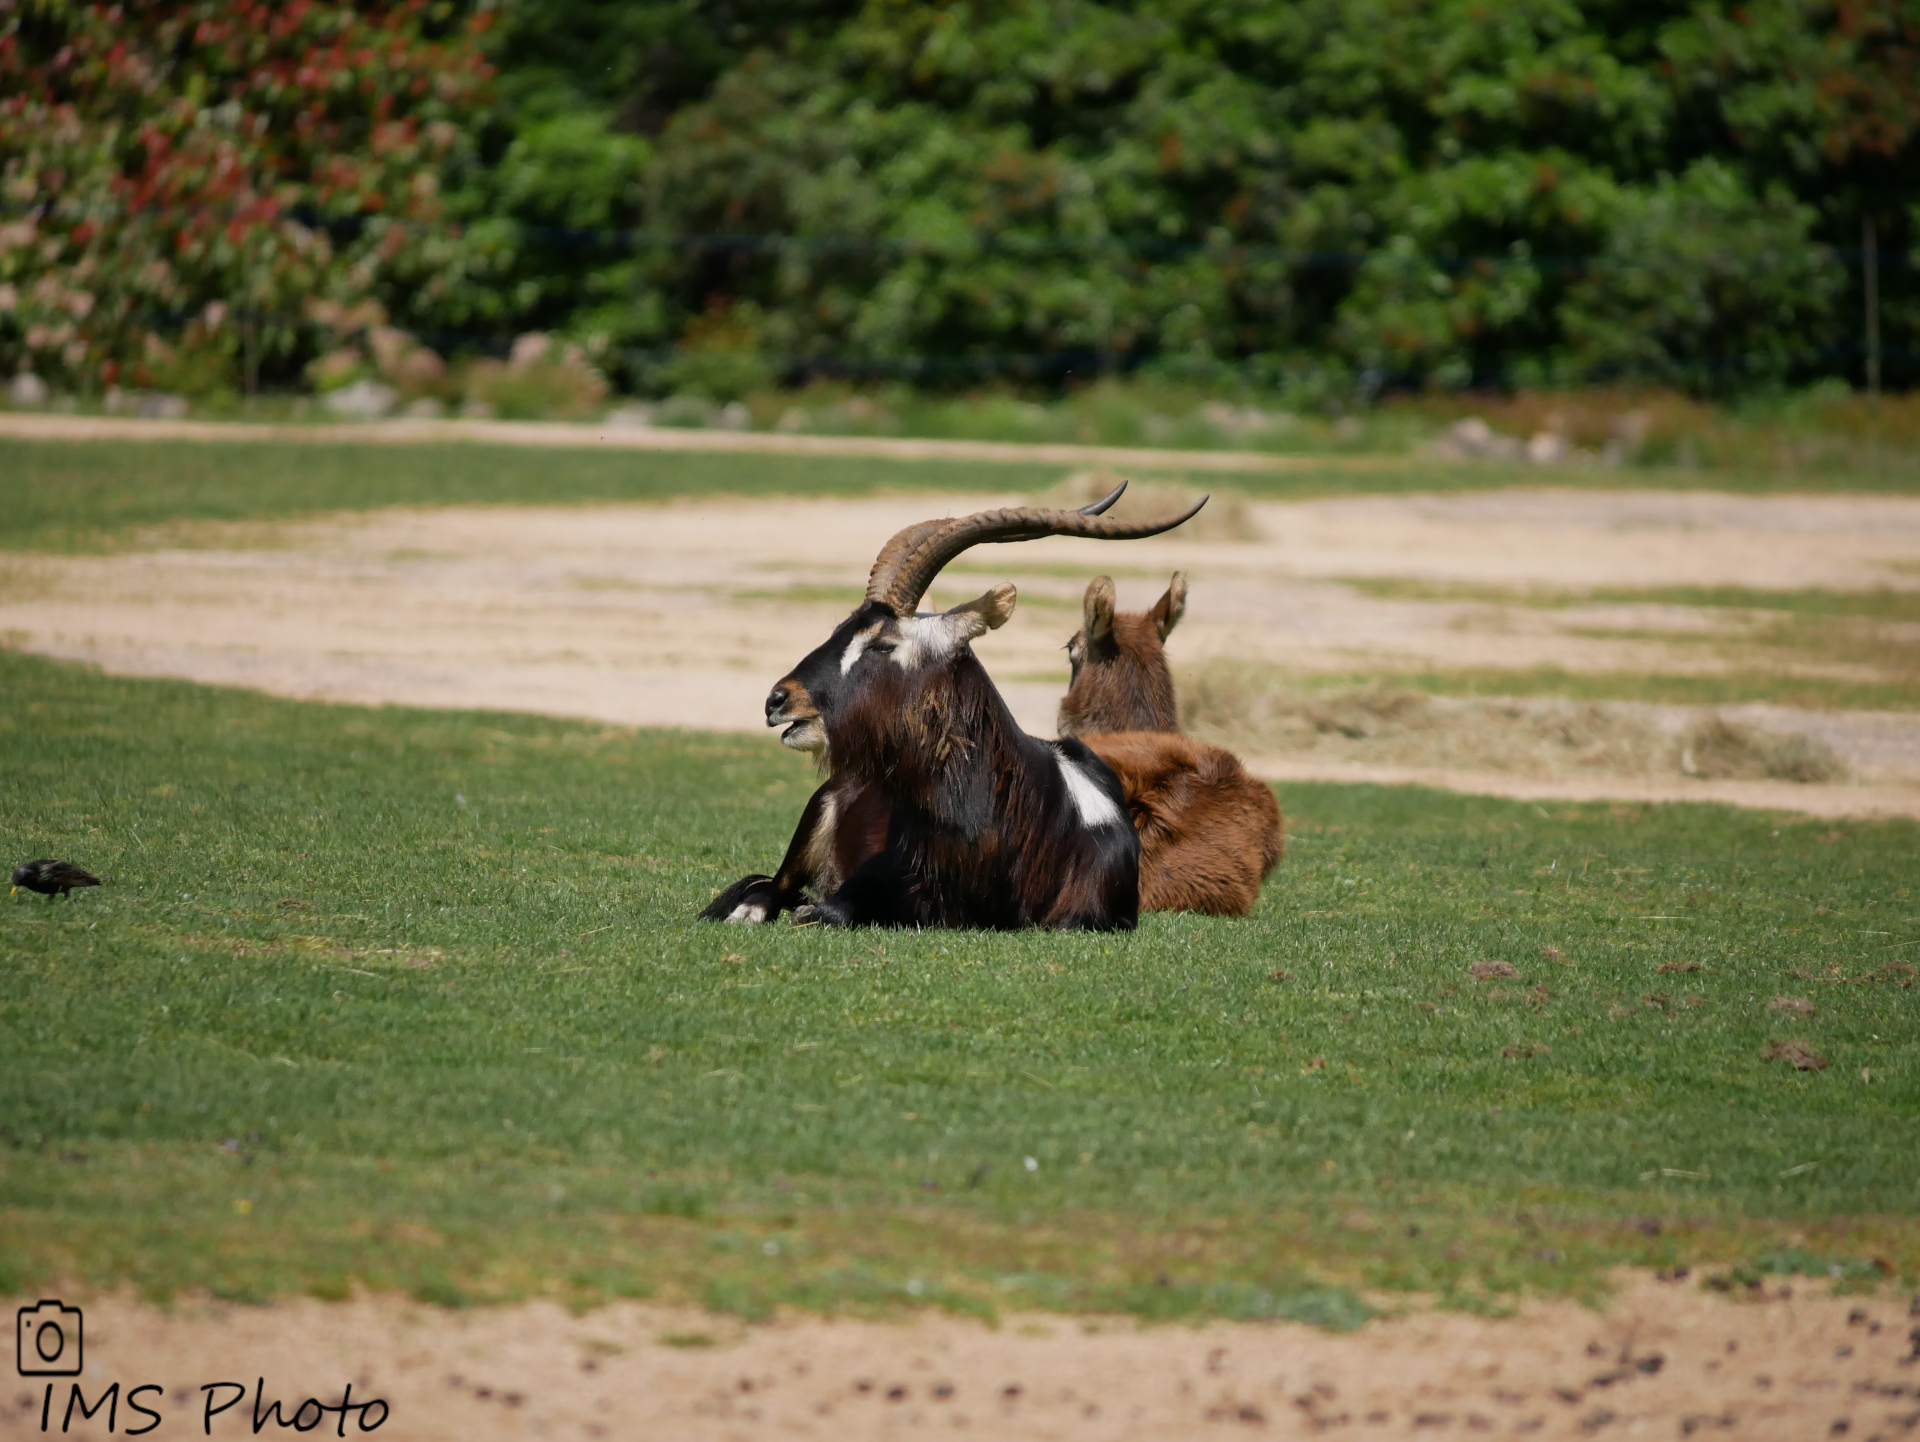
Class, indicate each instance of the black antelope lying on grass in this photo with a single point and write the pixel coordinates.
(939, 810)
(1209, 832)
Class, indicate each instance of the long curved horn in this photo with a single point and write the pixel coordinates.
(887, 564)
(908, 563)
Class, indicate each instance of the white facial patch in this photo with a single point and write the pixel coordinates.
(857, 647)
(927, 640)
(1096, 808)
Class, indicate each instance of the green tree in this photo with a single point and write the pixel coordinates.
(1704, 283)
(1422, 189)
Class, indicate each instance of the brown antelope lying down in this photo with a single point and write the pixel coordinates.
(939, 810)
(1209, 832)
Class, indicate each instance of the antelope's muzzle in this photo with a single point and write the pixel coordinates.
(790, 705)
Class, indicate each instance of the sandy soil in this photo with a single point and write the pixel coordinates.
(682, 614)
(1663, 1360)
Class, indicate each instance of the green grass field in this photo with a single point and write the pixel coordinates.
(83, 496)
(412, 1000)
(79, 496)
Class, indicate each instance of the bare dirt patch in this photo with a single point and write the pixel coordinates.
(683, 614)
(1662, 1359)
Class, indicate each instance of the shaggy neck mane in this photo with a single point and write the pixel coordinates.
(934, 740)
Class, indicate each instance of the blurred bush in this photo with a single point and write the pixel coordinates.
(541, 379)
(180, 180)
(1705, 284)
(1824, 428)
(1294, 204)
(719, 358)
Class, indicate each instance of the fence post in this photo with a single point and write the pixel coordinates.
(250, 361)
(1870, 274)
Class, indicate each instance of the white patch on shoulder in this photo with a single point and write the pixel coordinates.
(1096, 808)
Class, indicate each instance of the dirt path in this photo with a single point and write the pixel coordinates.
(1663, 1360)
(34, 426)
(682, 614)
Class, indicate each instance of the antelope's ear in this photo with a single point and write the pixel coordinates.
(989, 612)
(1168, 610)
(1097, 612)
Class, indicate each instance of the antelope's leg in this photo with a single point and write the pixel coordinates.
(750, 898)
(873, 896)
(762, 898)
(875, 891)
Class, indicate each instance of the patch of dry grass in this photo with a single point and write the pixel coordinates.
(1716, 748)
(1253, 710)
(1878, 603)
(1841, 647)
(806, 594)
(1869, 635)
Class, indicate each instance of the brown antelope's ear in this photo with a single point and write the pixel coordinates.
(989, 612)
(1097, 613)
(1168, 610)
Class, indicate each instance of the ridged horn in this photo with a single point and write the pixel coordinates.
(908, 563)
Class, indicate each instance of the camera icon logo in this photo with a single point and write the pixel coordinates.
(49, 1340)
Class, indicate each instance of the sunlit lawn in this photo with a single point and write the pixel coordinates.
(66, 496)
(413, 999)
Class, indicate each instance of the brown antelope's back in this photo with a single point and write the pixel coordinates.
(1209, 832)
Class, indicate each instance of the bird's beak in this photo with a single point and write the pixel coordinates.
(14, 891)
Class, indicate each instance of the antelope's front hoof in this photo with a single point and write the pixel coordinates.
(750, 899)
(819, 913)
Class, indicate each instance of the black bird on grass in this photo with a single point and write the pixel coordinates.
(51, 878)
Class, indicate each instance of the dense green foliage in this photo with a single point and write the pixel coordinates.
(1318, 194)
(422, 991)
(190, 190)
(1452, 191)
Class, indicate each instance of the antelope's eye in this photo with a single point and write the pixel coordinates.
(881, 648)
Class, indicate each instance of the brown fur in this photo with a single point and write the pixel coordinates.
(981, 820)
(1120, 677)
(1209, 832)
(939, 810)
